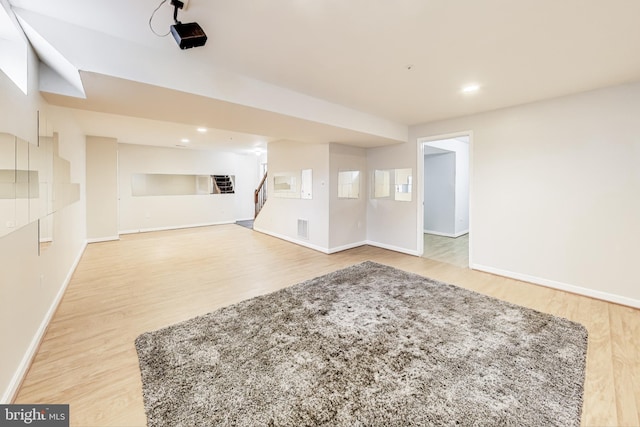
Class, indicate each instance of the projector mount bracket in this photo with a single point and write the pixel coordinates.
(177, 5)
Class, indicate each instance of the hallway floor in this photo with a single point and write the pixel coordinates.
(450, 250)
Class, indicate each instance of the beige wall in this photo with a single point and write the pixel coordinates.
(347, 217)
(279, 216)
(32, 284)
(163, 212)
(554, 191)
(393, 224)
(102, 188)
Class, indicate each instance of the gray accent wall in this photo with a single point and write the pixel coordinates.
(440, 193)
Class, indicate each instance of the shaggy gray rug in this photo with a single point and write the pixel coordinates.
(368, 345)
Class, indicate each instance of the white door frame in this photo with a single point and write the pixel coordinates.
(420, 185)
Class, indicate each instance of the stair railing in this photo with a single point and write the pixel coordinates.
(260, 195)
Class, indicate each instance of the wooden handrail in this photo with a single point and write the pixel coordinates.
(260, 195)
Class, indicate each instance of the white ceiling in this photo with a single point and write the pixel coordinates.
(398, 61)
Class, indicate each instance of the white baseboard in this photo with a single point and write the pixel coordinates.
(292, 240)
(346, 247)
(103, 239)
(437, 233)
(605, 296)
(393, 248)
(12, 389)
(174, 227)
(338, 248)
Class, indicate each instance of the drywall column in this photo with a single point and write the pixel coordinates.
(281, 216)
(102, 188)
(347, 217)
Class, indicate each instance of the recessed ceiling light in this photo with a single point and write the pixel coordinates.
(470, 88)
(185, 140)
(202, 130)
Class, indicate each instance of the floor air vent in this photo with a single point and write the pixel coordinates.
(303, 228)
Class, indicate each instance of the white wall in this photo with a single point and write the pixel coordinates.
(554, 191)
(462, 187)
(248, 175)
(196, 78)
(279, 216)
(31, 285)
(163, 212)
(393, 224)
(440, 193)
(347, 217)
(102, 188)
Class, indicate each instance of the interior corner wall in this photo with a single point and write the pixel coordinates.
(31, 285)
(347, 217)
(102, 188)
(393, 224)
(166, 212)
(554, 191)
(279, 216)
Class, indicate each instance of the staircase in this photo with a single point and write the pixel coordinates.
(260, 195)
(222, 184)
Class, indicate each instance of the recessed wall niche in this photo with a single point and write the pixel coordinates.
(293, 185)
(403, 184)
(381, 183)
(286, 185)
(349, 184)
(159, 184)
(396, 184)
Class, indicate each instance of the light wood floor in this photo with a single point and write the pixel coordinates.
(452, 250)
(148, 281)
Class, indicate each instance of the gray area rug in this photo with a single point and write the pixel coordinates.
(368, 345)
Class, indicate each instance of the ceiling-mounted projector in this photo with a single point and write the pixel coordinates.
(187, 35)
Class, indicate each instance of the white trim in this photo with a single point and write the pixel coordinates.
(420, 185)
(605, 296)
(394, 248)
(12, 389)
(175, 227)
(103, 239)
(438, 233)
(292, 240)
(346, 247)
(339, 248)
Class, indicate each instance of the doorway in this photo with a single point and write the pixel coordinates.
(445, 163)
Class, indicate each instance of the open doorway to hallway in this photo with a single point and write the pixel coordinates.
(446, 199)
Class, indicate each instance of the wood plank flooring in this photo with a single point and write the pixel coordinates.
(452, 250)
(147, 281)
